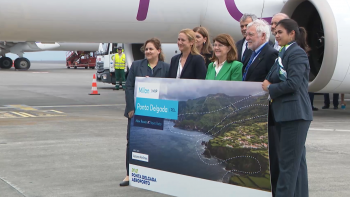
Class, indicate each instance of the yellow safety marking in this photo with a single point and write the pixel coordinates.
(19, 114)
(59, 112)
(30, 115)
(23, 107)
(7, 115)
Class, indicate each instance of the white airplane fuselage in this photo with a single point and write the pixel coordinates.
(134, 21)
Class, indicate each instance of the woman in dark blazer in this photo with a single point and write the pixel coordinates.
(152, 66)
(189, 64)
(287, 84)
(203, 44)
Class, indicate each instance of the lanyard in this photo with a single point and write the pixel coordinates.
(258, 52)
(252, 58)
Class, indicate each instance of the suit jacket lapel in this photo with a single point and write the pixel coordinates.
(158, 67)
(240, 49)
(225, 68)
(143, 69)
(188, 61)
(246, 57)
(256, 61)
(287, 53)
(174, 68)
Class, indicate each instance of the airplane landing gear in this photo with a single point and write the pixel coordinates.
(22, 63)
(5, 63)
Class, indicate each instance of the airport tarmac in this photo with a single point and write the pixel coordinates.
(58, 141)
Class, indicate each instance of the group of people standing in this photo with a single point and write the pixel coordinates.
(281, 66)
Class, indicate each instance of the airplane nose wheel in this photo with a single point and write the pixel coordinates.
(22, 63)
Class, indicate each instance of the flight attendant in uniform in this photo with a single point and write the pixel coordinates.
(287, 84)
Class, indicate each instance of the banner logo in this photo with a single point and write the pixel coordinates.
(149, 122)
(148, 90)
(158, 108)
(140, 157)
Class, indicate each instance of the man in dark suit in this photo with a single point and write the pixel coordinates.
(257, 68)
(243, 52)
(263, 56)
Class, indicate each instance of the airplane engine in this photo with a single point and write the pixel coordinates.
(328, 27)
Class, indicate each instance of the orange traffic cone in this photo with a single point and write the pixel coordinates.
(94, 86)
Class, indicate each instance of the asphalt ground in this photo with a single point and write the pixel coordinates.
(58, 141)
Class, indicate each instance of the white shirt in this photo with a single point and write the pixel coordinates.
(276, 46)
(179, 70)
(218, 67)
(244, 47)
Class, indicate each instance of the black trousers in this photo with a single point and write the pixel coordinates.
(127, 146)
(273, 151)
(273, 156)
(293, 179)
(327, 101)
(312, 96)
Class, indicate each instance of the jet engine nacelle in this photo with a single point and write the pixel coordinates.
(327, 23)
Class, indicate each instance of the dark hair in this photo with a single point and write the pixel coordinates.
(157, 44)
(300, 32)
(226, 40)
(207, 48)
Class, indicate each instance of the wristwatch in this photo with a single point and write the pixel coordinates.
(268, 87)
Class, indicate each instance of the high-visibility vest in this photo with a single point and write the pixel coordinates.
(119, 63)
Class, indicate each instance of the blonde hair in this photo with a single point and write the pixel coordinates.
(207, 48)
(191, 36)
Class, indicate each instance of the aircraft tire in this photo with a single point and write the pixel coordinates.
(5, 63)
(22, 63)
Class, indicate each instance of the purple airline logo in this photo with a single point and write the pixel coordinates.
(235, 13)
(230, 5)
(143, 10)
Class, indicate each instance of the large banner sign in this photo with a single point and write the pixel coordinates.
(200, 138)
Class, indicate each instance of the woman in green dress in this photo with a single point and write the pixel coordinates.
(224, 64)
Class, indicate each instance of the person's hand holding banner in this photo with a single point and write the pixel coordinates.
(131, 114)
(265, 85)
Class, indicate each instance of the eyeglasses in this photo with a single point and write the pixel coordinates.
(218, 45)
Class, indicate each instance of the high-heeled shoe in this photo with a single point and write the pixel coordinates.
(124, 183)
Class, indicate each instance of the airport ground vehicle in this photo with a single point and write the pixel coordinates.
(75, 59)
(105, 64)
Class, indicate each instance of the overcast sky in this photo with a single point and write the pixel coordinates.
(44, 55)
(182, 89)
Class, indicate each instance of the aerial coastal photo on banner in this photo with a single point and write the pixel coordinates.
(219, 132)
